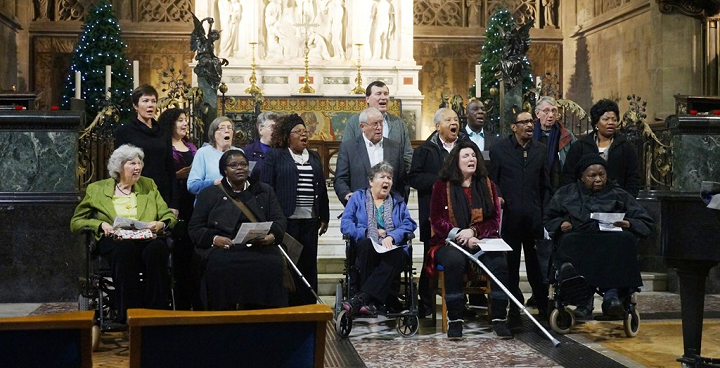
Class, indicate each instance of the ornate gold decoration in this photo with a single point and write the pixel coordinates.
(254, 89)
(358, 90)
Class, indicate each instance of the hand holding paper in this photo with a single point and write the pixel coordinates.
(251, 230)
(610, 221)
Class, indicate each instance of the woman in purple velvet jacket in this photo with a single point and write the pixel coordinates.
(376, 215)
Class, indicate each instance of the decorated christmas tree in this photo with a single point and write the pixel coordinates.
(494, 52)
(99, 45)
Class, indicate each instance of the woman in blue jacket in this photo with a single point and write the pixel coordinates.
(376, 215)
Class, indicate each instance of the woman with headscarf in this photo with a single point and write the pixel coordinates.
(238, 275)
(466, 199)
(131, 196)
(297, 176)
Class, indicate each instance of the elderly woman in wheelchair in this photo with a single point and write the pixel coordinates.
(130, 196)
(376, 217)
(605, 254)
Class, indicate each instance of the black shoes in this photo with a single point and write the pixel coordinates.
(613, 307)
(582, 312)
(455, 329)
(500, 329)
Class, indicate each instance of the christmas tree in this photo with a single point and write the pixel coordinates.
(99, 45)
(493, 52)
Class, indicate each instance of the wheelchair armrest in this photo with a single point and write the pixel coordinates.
(347, 237)
(408, 236)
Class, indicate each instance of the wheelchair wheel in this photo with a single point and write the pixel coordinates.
(562, 320)
(631, 323)
(95, 337)
(338, 297)
(408, 325)
(343, 323)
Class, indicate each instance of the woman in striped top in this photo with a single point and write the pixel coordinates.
(296, 174)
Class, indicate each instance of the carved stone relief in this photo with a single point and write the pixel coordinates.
(164, 10)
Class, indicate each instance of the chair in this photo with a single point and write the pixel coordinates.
(479, 284)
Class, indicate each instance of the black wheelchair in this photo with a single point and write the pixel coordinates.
(407, 319)
(570, 277)
(97, 291)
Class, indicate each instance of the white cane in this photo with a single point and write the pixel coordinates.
(297, 271)
(476, 259)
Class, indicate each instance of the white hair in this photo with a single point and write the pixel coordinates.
(120, 156)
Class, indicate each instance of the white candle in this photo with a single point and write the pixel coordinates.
(136, 74)
(538, 82)
(478, 80)
(108, 74)
(78, 85)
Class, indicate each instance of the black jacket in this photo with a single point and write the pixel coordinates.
(622, 163)
(523, 183)
(280, 172)
(426, 163)
(158, 162)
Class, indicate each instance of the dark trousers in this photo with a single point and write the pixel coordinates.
(306, 232)
(523, 240)
(424, 292)
(378, 272)
(128, 258)
(187, 275)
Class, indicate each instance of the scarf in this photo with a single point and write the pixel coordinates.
(552, 142)
(461, 213)
(372, 229)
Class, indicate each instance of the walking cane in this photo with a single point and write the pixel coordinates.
(297, 271)
(476, 259)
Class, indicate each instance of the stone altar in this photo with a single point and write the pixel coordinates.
(331, 28)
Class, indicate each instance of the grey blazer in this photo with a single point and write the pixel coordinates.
(398, 132)
(353, 166)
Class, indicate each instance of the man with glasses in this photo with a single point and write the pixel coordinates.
(357, 156)
(554, 135)
(518, 166)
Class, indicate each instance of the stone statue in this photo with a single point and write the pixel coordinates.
(305, 11)
(549, 7)
(208, 65)
(382, 15)
(317, 46)
(230, 12)
(473, 19)
(335, 10)
(275, 40)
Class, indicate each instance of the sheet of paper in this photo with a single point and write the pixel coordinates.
(493, 245)
(380, 249)
(714, 202)
(126, 223)
(607, 219)
(251, 230)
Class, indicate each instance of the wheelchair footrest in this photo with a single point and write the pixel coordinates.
(573, 287)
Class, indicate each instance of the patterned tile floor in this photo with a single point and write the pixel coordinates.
(658, 344)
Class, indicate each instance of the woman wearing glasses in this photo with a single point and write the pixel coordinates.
(238, 276)
(203, 172)
(297, 176)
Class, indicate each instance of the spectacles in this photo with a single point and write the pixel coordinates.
(376, 124)
(299, 132)
(524, 122)
(547, 111)
(225, 127)
(236, 165)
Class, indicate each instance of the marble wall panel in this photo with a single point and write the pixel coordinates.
(38, 161)
(696, 157)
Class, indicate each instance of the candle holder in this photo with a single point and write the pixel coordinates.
(223, 89)
(358, 90)
(306, 88)
(253, 89)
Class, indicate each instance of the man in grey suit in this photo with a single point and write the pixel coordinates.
(377, 95)
(357, 156)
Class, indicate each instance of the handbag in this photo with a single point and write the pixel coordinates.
(125, 234)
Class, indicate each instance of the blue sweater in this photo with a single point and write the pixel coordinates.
(355, 221)
(205, 169)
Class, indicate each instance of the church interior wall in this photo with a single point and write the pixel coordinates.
(8, 45)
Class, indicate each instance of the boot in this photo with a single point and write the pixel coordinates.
(455, 304)
(499, 322)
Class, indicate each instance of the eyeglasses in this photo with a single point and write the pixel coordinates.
(225, 127)
(299, 132)
(376, 124)
(524, 122)
(548, 110)
(236, 165)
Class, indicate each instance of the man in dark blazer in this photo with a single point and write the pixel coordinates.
(518, 166)
(357, 156)
(427, 161)
(475, 130)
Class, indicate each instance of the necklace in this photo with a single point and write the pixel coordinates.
(122, 191)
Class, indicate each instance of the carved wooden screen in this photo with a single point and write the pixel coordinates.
(163, 11)
(476, 13)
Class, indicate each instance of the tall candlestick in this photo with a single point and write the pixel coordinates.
(108, 75)
(538, 82)
(136, 74)
(478, 79)
(78, 86)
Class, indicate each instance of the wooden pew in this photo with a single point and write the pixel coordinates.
(48, 341)
(281, 337)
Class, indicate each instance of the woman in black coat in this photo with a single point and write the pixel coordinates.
(620, 154)
(249, 276)
(297, 176)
